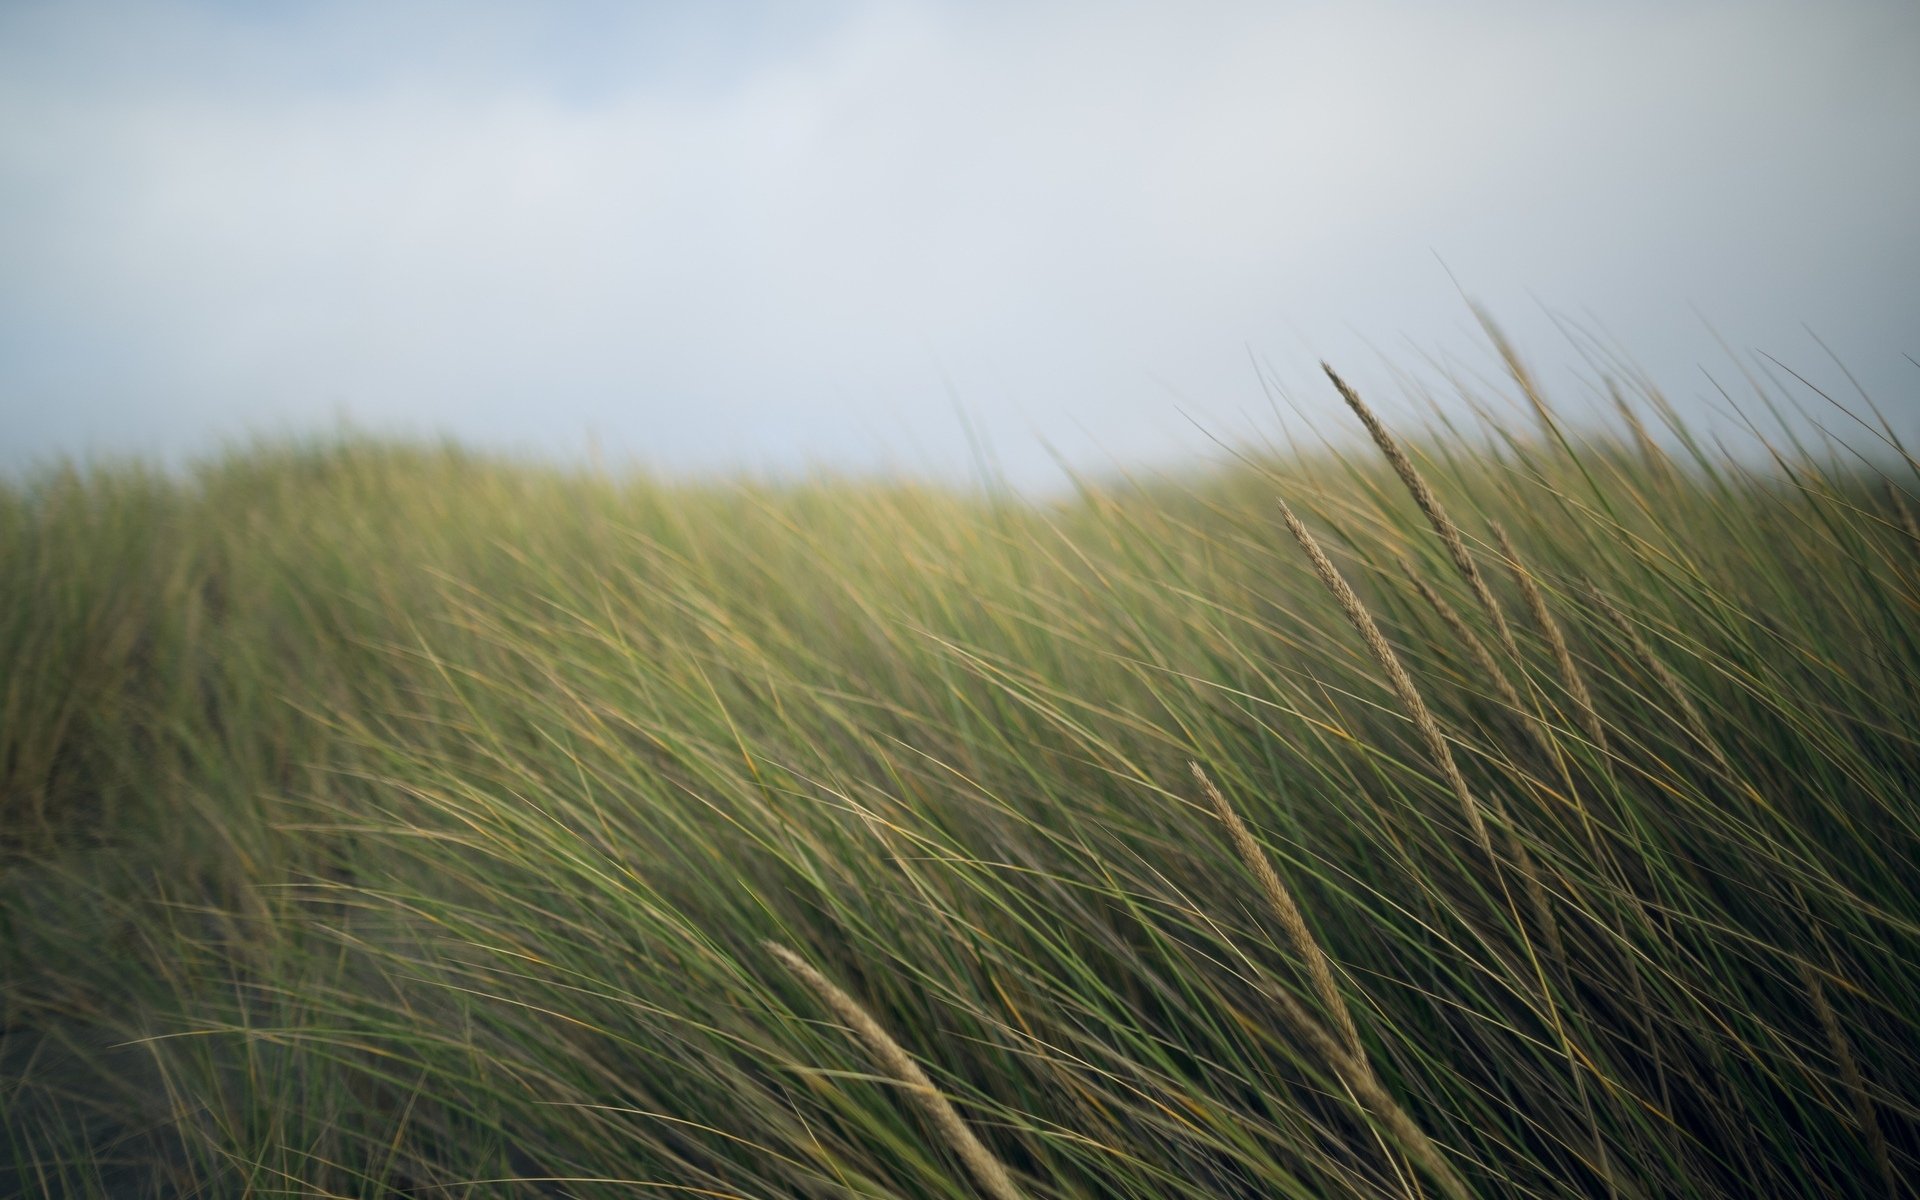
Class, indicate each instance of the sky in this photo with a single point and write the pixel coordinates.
(914, 236)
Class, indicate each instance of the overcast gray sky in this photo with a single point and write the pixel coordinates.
(775, 235)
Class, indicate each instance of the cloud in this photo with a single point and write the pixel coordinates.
(714, 241)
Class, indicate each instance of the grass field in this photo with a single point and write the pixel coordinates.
(1536, 815)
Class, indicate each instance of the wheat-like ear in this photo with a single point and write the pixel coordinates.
(1569, 670)
(1368, 1090)
(1457, 625)
(1517, 368)
(1842, 1048)
(1430, 506)
(1436, 743)
(1907, 521)
(1397, 675)
(1669, 682)
(1281, 901)
(992, 1175)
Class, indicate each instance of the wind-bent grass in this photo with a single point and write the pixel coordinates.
(385, 821)
(988, 1170)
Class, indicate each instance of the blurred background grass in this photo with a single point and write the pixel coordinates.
(392, 820)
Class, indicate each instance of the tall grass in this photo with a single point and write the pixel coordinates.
(1528, 819)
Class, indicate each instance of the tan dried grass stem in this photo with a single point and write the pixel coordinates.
(1522, 857)
(1842, 1049)
(1518, 369)
(1650, 452)
(1663, 675)
(1429, 505)
(1570, 674)
(994, 1178)
(1429, 729)
(1319, 970)
(1907, 521)
(1457, 625)
(1396, 675)
(1374, 1097)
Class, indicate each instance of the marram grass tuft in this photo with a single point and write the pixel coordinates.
(382, 821)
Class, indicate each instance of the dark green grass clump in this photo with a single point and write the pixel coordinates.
(1531, 820)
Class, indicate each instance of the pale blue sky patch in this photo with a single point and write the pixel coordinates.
(773, 235)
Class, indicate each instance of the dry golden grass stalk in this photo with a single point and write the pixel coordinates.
(1907, 521)
(1518, 369)
(1842, 1049)
(1429, 505)
(1522, 857)
(1396, 674)
(1319, 970)
(1569, 670)
(1662, 674)
(1367, 1088)
(1436, 743)
(993, 1177)
(1456, 545)
(1650, 452)
(1483, 657)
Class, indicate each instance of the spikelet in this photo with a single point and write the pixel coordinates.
(1396, 675)
(1319, 971)
(1430, 506)
(1569, 670)
(1457, 625)
(1374, 1097)
(994, 1178)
